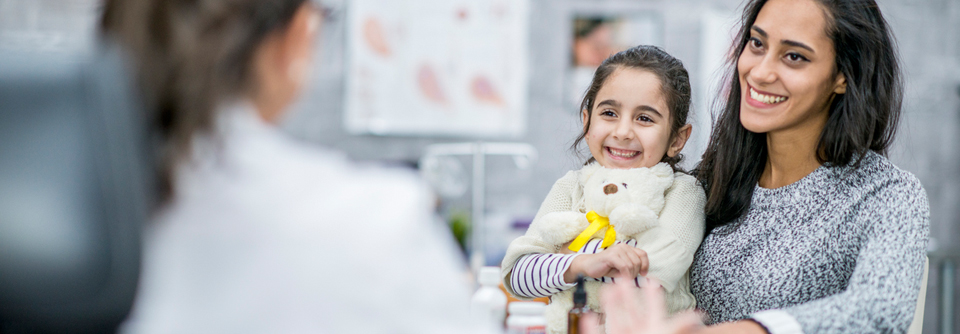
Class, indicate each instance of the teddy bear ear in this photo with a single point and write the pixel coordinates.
(664, 173)
(589, 170)
(662, 169)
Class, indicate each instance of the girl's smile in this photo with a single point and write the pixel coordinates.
(616, 153)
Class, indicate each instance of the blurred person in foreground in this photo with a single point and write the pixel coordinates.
(257, 232)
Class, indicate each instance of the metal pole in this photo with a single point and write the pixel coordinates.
(477, 256)
(947, 281)
(523, 155)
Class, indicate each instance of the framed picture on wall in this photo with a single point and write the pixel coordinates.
(453, 68)
(596, 36)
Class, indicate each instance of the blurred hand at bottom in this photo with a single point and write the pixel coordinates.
(629, 310)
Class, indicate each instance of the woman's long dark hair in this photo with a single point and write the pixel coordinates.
(863, 119)
(191, 55)
(674, 85)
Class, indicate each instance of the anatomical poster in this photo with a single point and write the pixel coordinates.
(454, 68)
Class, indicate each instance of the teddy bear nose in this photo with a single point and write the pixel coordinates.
(610, 189)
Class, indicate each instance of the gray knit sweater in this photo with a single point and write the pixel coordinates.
(840, 251)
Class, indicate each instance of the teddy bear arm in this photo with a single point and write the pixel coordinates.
(557, 228)
(629, 220)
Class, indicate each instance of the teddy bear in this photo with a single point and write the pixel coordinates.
(630, 200)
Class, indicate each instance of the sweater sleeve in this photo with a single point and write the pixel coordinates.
(560, 198)
(882, 292)
(670, 247)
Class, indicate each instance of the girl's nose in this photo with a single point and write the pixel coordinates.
(624, 129)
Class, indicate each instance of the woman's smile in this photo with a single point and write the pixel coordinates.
(762, 99)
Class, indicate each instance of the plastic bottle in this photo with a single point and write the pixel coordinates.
(489, 298)
(579, 307)
(526, 318)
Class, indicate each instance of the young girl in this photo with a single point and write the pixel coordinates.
(634, 116)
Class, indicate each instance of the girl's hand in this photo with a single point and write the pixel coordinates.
(617, 260)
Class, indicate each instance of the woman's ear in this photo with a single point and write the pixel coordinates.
(840, 87)
(680, 140)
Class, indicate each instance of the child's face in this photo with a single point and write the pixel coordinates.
(630, 125)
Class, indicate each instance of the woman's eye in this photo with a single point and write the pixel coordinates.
(755, 43)
(795, 57)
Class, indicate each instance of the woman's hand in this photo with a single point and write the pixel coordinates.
(632, 311)
(617, 260)
(740, 327)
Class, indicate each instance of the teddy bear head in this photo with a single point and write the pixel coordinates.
(605, 189)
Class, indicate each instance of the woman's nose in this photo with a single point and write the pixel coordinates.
(764, 72)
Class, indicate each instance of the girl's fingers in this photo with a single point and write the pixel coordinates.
(635, 259)
(621, 263)
(628, 264)
(620, 267)
(644, 261)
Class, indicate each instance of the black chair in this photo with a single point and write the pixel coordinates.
(74, 192)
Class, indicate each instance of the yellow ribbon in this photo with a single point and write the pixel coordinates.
(596, 223)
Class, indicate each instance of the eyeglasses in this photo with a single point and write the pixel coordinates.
(326, 11)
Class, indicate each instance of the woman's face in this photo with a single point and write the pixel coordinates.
(787, 69)
(283, 62)
(630, 125)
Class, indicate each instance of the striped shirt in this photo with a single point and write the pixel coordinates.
(541, 274)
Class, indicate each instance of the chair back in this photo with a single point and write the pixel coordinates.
(74, 191)
(917, 326)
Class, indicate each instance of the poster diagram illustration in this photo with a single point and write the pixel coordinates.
(437, 68)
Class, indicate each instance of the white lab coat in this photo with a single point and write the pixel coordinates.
(267, 235)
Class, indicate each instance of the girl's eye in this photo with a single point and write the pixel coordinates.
(607, 112)
(795, 57)
(644, 118)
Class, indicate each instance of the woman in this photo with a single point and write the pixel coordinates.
(812, 229)
(259, 233)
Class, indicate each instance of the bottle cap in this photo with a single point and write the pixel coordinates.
(489, 276)
(579, 293)
(527, 308)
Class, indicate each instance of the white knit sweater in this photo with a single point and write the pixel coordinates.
(670, 257)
